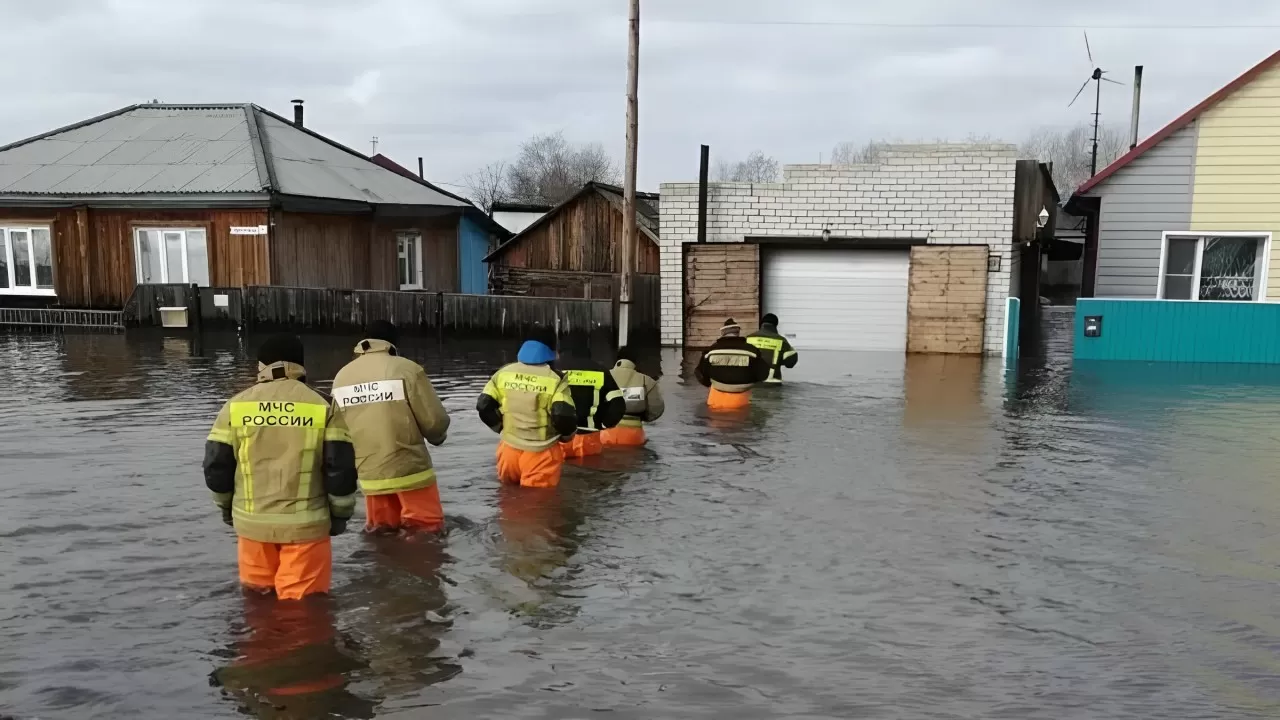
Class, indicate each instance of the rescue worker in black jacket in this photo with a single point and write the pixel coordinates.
(775, 347)
(596, 396)
(730, 368)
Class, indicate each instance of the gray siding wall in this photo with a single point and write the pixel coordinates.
(1147, 197)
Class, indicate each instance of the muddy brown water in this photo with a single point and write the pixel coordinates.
(883, 538)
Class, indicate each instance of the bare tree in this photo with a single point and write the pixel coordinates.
(488, 185)
(1070, 152)
(851, 153)
(549, 170)
(757, 168)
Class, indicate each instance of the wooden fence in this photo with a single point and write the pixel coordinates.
(444, 314)
(109, 320)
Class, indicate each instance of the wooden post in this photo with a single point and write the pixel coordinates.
(629, 176)
(440, 317)
(194, 320)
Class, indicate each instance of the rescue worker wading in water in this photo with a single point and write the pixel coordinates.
(596, 396)
(730, 368)
(390, 407)
(530, 405)
(775, 348)
(281, 468)
(643, 402)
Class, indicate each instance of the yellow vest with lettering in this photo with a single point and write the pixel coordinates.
(525, 394)
(278, 428)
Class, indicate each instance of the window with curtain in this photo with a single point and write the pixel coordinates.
(1224, 266)
(409, 260)
(26, 260)
(171, 255)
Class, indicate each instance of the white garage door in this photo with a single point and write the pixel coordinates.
(839, 299)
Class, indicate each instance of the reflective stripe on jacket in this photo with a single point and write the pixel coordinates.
(389, 406)
(532, 405)
(640, 392)
(595, 394)
(732, 365)
(776, 349)
(278, 430)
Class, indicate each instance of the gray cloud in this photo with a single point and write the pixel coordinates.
(464, 83)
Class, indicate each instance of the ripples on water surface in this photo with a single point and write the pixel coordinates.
(916, 538)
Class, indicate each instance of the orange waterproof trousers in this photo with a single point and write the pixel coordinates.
(530, 469)
(583, 445)
(293, 570)
(623, 436)
(413, 510)
(721, 400)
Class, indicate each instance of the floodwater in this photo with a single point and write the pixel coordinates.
(883, 538)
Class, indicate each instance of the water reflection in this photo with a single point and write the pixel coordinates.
(291, 663)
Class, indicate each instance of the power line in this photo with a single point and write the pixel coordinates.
(953, 25)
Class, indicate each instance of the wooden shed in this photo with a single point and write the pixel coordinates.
(575, 250)
(222, 196)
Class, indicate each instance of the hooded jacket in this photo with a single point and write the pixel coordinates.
(776, 349)
(732, 365)
(389, 407)
(595, 393)
(281, 459)
(640, 393)
(528, 402)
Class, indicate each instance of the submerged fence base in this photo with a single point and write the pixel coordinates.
(108, 320)
(320, 309)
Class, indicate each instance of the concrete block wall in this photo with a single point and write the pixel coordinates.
(960, 194)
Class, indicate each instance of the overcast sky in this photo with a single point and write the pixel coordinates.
(463, 82)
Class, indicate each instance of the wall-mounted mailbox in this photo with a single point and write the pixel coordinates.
(1093, 326)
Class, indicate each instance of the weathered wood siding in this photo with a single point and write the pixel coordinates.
(722, 280)
(1149, 196)
(357, 252)
(947, 299)
(93, 263)
(1237, 167)
(584, 235)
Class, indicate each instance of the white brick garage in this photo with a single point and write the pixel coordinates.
(961, 194)
(835, 299)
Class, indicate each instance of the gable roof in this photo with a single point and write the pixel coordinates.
(188, 150)
(1181, 122)
(646, 214)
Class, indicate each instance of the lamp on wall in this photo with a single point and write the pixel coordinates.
(826, 234)
(1042, 218)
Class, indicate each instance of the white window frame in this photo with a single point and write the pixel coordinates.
(164, 253)
(29, 229)
(416, 237)
(1200, 235)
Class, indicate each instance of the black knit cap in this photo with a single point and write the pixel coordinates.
(769, 319)
(382, 330)
(281, 348)
(544, 335)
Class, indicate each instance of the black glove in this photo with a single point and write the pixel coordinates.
(226, 516)
(337, 525)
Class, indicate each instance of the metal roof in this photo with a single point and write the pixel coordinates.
(200, 149)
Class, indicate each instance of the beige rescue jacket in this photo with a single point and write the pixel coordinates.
(389, 407)
(277, 438)
(644, 398)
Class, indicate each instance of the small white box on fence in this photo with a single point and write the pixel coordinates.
(221, 301)
(173, 317)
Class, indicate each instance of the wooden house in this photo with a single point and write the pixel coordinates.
(222, 196)
(575, 249)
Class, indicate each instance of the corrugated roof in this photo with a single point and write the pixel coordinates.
(195, 149)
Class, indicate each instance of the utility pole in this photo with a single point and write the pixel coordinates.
(375, 145)
(629, 176)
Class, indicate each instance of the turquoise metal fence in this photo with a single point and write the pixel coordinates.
(1177, 331)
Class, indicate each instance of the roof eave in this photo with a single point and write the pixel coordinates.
(1180, 122)
(183, 201)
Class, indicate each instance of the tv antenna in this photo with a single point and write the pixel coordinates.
(1096, 77)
